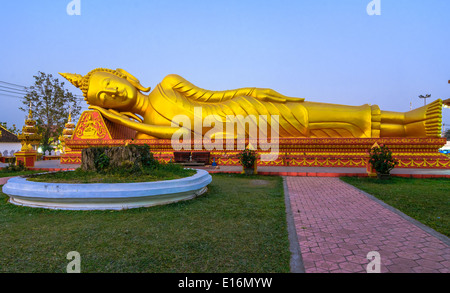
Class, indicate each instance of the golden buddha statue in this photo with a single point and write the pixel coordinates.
(120, 98)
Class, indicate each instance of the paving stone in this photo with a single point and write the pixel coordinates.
(424, 270)
(3, 180)
(399, 269)
(430, 264)
(408, 255)
(432, 257)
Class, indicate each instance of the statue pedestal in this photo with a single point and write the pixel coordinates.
(27, 157)
(299, 152)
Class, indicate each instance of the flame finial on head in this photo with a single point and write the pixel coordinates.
(74, 79)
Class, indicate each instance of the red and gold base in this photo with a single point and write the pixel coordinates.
(27, 157)
(301, 152)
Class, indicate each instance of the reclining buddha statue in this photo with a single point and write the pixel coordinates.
(120, 98)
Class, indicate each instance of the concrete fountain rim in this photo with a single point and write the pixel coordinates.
(104, 196)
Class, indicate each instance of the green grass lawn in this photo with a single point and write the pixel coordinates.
(426, 200)
(239, 225)
(17, 173)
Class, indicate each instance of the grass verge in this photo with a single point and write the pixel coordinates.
(426, 200)
(17, 173)
(238, 226)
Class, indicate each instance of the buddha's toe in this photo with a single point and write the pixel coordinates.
(433, 120)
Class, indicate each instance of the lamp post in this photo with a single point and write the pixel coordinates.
(425, 98)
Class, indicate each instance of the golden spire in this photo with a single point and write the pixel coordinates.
(70, 114)
(30, 113)
(69, 126)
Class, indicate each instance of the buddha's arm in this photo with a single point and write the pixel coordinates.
(195, 93)
(158, 131)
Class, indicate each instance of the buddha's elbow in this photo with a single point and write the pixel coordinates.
(172, 80)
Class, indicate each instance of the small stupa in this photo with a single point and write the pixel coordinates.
(30, 139)
(67, 133)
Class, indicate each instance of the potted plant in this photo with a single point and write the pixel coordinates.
(247, 158)
(380, 157)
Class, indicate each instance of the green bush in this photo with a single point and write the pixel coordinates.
(145, 155)
(381, 159)
(247, 158)
(12, 167)
(102, 162)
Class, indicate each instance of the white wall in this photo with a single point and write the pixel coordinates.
(10, 146)
(446, 146)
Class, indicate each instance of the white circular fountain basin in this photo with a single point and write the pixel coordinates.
(104, 196)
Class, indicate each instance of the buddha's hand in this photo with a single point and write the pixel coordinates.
(270, 95)
(158, 131)
(115, 116)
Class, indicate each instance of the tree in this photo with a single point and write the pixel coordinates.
(50, 104)
(447, 134)
(11, 129)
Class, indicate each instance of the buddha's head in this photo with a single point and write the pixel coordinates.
(107, 88)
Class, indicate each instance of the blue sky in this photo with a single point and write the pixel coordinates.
(322, 50)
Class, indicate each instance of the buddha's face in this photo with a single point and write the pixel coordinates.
(109, 91)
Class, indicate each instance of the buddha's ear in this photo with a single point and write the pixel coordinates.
(134, 81)
(129, 75)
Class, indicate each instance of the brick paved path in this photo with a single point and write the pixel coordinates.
(338, 225)
(3, 180)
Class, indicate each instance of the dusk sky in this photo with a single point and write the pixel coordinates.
(321, 50)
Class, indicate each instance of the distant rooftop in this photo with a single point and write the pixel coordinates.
(7, 136)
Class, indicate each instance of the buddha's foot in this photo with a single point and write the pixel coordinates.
(424, 121)
(433, 120)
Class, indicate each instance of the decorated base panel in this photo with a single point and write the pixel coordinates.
(27, 158)
(411, 153)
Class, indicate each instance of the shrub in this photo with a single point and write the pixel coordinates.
(145, 155)
(102, 162)
(12, 167)
(247, 158)
(381, 159)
